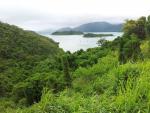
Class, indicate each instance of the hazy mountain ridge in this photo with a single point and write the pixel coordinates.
(99, 27)
(95, 27)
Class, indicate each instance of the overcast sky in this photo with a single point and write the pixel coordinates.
(52, 14)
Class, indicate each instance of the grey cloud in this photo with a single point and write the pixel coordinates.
(39, 21)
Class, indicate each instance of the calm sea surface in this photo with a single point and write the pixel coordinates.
(76, 42)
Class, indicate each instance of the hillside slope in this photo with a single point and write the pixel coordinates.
(20, 52)
(18, 44)
(112, 78)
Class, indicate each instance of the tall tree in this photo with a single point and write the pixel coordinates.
(141, 29)
(129, 27)
(67, 76)
(148, 26)
(129, 49)
(136, 27)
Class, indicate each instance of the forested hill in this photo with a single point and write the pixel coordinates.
(20, 53)
(16, 43)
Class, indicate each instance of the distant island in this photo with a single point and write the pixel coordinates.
(67, 33)
(96, 35)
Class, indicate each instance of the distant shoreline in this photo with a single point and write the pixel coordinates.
(67, 33)
(92, 35)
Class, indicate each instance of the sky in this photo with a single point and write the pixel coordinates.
(53, 14)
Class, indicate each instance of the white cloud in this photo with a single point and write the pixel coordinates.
(42, 14)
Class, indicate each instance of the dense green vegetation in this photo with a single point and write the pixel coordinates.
(67, 33)
(96, 35)
(112, 78)
(22, 54)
